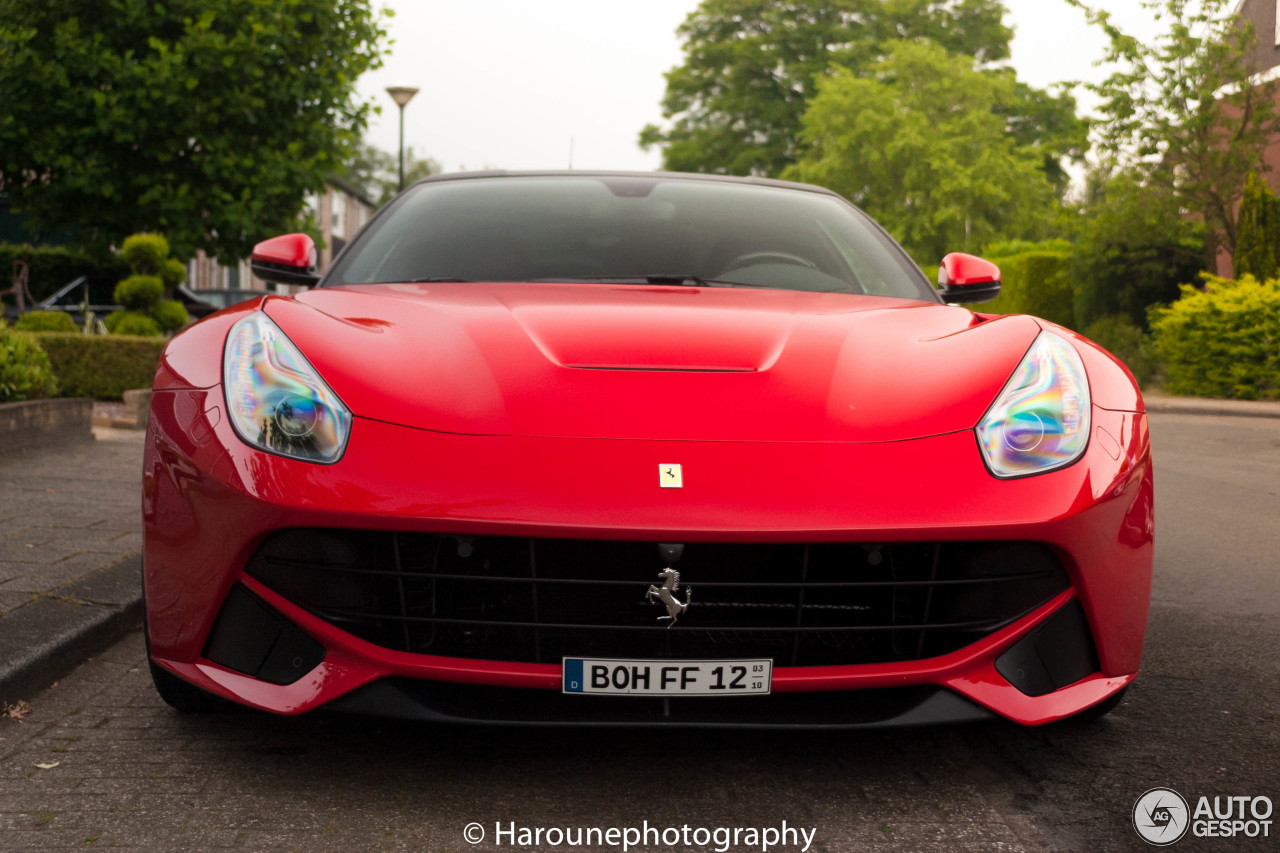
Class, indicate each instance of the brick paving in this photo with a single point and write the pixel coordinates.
(133, 774)
(66, 512)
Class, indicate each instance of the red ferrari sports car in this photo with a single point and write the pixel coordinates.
(641, 449)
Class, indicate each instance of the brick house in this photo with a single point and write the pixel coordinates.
(341, 212)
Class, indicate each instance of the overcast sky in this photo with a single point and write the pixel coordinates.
(509, 83)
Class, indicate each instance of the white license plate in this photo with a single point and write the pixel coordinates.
(615, 677)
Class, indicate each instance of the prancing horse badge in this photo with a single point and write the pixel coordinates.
(670, 476)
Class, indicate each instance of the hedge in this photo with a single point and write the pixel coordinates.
(1223, 341)
(101, 366)
(51, 267)
(1036, 283)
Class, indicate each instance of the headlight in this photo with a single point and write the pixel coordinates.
(1040, 421)
(276, 400)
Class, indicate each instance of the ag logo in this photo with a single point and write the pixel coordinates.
(1161, 816)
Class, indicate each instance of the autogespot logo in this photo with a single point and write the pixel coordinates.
(1161, 817)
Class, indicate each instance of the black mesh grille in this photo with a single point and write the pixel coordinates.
(537, 600)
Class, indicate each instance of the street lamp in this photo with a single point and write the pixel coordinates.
(402, 95)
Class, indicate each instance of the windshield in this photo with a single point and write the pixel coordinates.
(629, 228)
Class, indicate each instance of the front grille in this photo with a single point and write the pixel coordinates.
(538, 600)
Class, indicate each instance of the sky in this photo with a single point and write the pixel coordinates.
(515, 84)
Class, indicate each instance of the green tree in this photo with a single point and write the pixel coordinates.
(1258, 248)
(916, 147)
(208, 120)
(751, 68)
(1134, 246)
(1182, 112)
(376, 173)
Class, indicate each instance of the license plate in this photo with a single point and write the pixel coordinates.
(616, 677)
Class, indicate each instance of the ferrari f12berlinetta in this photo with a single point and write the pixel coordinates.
(613, 448)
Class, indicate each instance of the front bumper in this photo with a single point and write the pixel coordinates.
(210, 502)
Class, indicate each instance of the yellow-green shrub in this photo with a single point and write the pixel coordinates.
(45, 321)
(1223, 341)
(25, 373)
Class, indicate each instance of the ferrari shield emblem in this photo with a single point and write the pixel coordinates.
(670, 476)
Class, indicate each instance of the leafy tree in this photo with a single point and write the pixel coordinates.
(209, 120)
(1134, 247)
(1258, 248)
(752, 66)
(376, 173)
(1182, 111)
(915, 146)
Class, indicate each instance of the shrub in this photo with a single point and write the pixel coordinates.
(134, 323)
(1258, 246)
(25, 373)
(46, 321)
(146, 254)
(51, 267)
(101, 366)
(1223, 341)
(1036, 283)
(139, 292)
(1119, 335)
(173, 272)
(170, 315)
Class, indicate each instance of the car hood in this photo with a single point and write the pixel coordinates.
(653, 362)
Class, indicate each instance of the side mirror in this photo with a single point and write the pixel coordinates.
(290, 259)
(965, 279)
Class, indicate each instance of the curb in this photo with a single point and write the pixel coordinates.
(37, 424)
(1195, 406)
(43, 641)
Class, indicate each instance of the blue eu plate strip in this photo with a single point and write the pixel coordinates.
(573, 675)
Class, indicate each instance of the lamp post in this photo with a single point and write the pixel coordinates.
(402, 95)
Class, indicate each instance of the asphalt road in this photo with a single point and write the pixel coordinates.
(1203, 719)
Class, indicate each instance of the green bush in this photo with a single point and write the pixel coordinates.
(134, 323)
(173, 272)
(1119, 335)
(170, 315)
(1258, 246)
(101, 366)
(139, 292)
(25, 373)
(1135, 246)
(45, 321)
(1036, 283)
(1223, 341)
(146, 254)
(51, 267)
